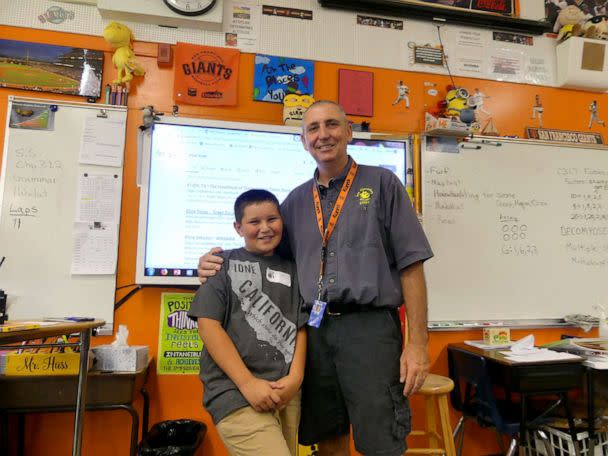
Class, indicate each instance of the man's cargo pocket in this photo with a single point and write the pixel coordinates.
(401, 407)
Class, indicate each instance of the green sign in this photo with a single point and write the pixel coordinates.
(179, 345)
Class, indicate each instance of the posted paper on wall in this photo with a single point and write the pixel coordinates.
(95, 248)
(98, 198)
(242, 24)
(468, 50)
(103, 142)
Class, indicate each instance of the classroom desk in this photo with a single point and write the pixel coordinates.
(84, 330)
(593, 377)
(555, 377)
(105, 391)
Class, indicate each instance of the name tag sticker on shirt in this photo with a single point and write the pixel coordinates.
(316, 314)
(278, 277)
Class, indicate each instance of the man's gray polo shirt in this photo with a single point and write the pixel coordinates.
(376, 236)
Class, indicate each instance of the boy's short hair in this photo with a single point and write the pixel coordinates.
(253, 196)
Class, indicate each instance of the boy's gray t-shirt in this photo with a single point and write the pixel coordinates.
(257, 300)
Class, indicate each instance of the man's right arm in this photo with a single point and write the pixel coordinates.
(209, 264)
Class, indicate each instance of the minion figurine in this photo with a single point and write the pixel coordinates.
(294, 107)
(460, 105)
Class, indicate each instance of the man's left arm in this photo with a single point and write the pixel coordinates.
(414, 362)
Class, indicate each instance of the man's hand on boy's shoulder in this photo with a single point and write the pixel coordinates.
(209, 264)
(260, 394)
(286, 387)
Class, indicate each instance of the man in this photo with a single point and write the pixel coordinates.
(478, 100)
(537, 111)
(367, 262)
(402, 94)
(593, 115)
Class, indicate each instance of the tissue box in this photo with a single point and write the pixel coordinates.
(496, 336)
(121, 358)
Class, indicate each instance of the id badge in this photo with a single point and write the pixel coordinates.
(316, 314)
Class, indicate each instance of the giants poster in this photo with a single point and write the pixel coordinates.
(206, 75)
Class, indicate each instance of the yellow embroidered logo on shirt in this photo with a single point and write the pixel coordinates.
(365, 196)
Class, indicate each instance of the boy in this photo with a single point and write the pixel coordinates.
(252, 326)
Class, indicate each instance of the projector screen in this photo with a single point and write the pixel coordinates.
(193, 170)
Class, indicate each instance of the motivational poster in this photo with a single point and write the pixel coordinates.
(276, 77)
(179, 345)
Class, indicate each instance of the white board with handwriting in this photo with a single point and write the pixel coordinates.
(519, 231)
(39, 192)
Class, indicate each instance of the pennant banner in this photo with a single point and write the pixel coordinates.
(206, 75)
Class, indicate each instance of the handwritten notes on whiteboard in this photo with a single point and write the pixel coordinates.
(519, 231)
(36, 179)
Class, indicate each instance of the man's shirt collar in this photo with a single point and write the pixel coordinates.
(338, 178)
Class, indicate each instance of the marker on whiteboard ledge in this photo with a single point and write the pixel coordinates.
(73, 319)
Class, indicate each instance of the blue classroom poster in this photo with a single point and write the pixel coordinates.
(275, 77)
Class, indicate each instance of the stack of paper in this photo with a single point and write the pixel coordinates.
(524, 351)
(595, 351)
(597, 362)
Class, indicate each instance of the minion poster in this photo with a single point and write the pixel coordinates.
(276, 77)
(179, 345)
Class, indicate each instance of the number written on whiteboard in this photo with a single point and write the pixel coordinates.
(38, 164)
(20, 212)
(32, 159)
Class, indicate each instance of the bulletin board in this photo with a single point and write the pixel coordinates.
(519, 230)
(60, 192)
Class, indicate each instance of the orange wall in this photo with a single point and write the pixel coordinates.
(175, 397)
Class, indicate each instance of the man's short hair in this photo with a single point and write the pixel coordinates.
(253, 196)
(326, 102)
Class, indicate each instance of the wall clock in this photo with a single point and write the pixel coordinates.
(190, 7)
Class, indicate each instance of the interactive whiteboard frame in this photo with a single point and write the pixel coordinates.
(144, 172)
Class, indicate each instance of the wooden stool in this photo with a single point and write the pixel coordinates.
(435, 390)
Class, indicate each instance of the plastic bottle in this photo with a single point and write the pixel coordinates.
(603, 324)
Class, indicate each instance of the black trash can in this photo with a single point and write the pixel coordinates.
(173, 438)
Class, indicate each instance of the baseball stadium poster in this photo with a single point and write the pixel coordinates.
(179, 345)
(49, 68)
(206, 75)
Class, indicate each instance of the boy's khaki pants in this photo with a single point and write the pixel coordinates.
(246, 432)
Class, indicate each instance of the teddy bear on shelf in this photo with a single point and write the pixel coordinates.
(120, 36)
(569, 22)
(596, 27)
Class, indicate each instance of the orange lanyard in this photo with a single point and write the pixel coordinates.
(333, 218)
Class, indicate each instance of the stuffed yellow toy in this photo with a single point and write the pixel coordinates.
(120, 36)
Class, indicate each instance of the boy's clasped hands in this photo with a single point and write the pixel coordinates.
(266, 396)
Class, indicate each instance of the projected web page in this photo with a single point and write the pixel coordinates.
(197, 172)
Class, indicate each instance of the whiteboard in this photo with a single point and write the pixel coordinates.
(39, 188)
(519, 230)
